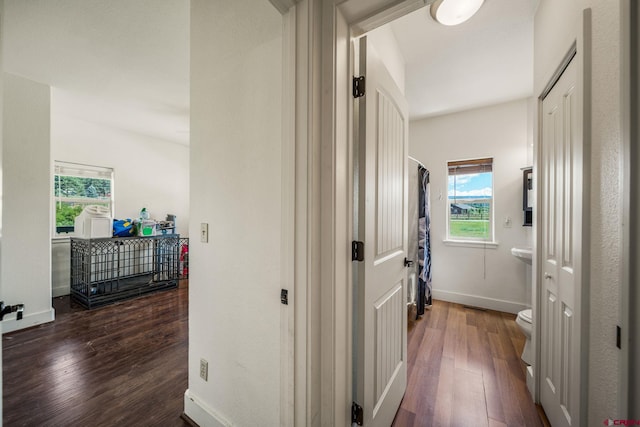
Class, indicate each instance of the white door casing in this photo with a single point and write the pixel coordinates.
(560, 213)
(381, 288)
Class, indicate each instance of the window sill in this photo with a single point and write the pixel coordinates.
(471, 243)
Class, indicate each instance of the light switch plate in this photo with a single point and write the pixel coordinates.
(204, 232)
(204, 369)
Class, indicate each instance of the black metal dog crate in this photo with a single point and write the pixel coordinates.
(111, 269)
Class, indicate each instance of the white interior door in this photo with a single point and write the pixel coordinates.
(561, 213)
(380, 366)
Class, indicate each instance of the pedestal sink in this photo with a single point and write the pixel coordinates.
(523, 253)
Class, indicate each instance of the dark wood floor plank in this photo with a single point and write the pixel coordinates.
(126, 364)
(474, 350)
(431, 349)
(405, 418)
(424, 377)
(494, 423)
(455, 323)
(490, 320)
(472, 317)
(123, 364)
(444, 396)
(492, 391)
(510, 404)
(467, 371)
(498, 348)
(436, 316)
(461, 346)
(415, 337)
(469, 401)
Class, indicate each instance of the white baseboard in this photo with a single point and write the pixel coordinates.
(530, 380)
(478, 301)
(29, 320)
(58, 292)
(201, 413)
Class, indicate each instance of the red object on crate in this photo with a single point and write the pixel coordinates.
(184, 260)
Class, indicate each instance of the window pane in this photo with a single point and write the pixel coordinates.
(470, 186)
(66, 212)
(470, 220)
(80, 188)
(74, 187)
(470, 200)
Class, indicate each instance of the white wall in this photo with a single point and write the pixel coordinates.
(555, 29)
(492, 277)
(606, 212)
(25, 260)
(386, 44)
(234, 281)
(148, 172)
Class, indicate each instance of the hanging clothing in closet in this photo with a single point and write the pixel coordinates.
(419, 250)
(412, 242)
(424, 241)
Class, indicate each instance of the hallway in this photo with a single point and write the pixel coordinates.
(465, 370)
(126, 364)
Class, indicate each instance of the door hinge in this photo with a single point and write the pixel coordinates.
(356, 414)
(618, 337)
(284, 296)
(357, 251)
(358, 87)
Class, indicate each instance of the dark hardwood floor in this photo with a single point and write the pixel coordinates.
(119, 365)
(464, 369)
(126, 365)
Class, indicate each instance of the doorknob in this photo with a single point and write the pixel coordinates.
(408, 262)
(547, 276)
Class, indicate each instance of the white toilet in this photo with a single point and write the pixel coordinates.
(524, 320)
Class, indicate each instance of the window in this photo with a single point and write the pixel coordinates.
(76, 186)
(470, 200)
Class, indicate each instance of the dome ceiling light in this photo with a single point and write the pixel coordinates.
(454, 12)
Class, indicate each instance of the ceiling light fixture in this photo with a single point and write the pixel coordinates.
(454, 12)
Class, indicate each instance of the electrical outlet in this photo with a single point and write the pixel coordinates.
(204, 369)
(204, 232)
(507, 222)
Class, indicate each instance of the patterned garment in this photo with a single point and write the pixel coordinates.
(424, 240)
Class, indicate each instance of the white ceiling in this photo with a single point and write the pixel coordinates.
(119, 62)
(126, 63)
(484, 61)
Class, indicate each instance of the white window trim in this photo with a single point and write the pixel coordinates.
(99, 171)
(470, 242)
(489, 244)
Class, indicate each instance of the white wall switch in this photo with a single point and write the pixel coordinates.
(204, 232)
(204, 369)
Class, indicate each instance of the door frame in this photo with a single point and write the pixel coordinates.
(341, 20)
(629, 374)
(324, 205)
(580, 51)
(296, 241)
